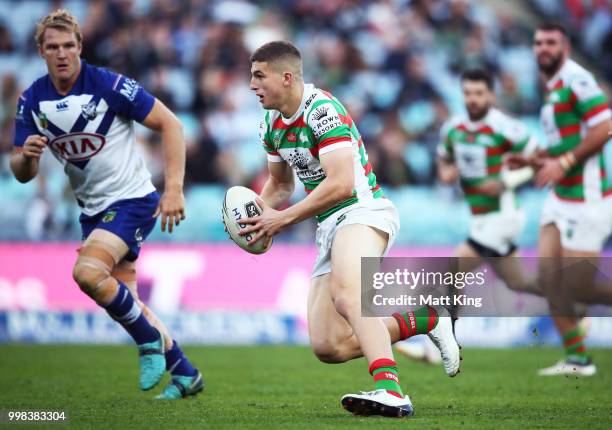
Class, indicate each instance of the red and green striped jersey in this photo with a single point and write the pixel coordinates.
(477, 149)
(573, 103)
(320, 125)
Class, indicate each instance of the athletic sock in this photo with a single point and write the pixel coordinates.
(385, 376)
(126, 312)
(420, 321)
(575, 349)
(177, 363)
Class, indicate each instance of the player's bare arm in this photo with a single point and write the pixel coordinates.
(552, 170)
(491, 187)
(24, 160)
(336, 187)
(447, 171)
(172, 203)
(280, 184)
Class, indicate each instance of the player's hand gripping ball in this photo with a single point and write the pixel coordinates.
(239, 203)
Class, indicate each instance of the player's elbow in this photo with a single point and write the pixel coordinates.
(445, 178)
(22, 178)
(176, 123)
(342, 188)
(21, 174)
(171, 123)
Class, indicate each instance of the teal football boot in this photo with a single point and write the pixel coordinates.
(182, 386)
(152, 363)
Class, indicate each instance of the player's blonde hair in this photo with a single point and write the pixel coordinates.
(59, 19)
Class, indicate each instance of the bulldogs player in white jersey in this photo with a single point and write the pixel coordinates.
(85, 116)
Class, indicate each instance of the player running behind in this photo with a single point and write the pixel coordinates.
(576, 218)
(471, 150)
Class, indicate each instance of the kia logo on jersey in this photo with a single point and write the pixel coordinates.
(77, 146)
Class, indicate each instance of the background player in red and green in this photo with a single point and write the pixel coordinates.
(308, 131)
(471, 151)
(577, 215)
(576, 218)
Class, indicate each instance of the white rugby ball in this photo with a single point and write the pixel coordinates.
(238, 203)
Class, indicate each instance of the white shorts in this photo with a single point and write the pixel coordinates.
(378, 213)
(498, 230)
(583, 226)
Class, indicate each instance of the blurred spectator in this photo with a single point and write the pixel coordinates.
(387, 59)
(9, 93)
(510, 99)
(202, 161)
(395, 63)
(6, 40)
(391, 166)
(416, 83)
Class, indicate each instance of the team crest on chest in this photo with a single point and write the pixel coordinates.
(88, 110)
(276, 139)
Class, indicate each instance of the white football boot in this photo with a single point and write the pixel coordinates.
(443, 336)
(377, 402)
(568, 366)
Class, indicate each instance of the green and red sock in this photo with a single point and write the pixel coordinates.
(385, 376)
(420, 321)
(573, 342)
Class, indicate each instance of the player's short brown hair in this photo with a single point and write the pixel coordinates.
(59, 19)
(274, 51)
(479, 75)
(279, 51)
(553, 26)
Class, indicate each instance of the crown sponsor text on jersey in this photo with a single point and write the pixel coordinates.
(323, 122)
(77, 146)
(320, 113)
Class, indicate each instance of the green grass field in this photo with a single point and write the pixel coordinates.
(271, 387)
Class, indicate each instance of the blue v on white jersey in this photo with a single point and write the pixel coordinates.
(91, 132)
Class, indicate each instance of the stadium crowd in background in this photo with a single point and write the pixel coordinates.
(396, 64)
(194, 56)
